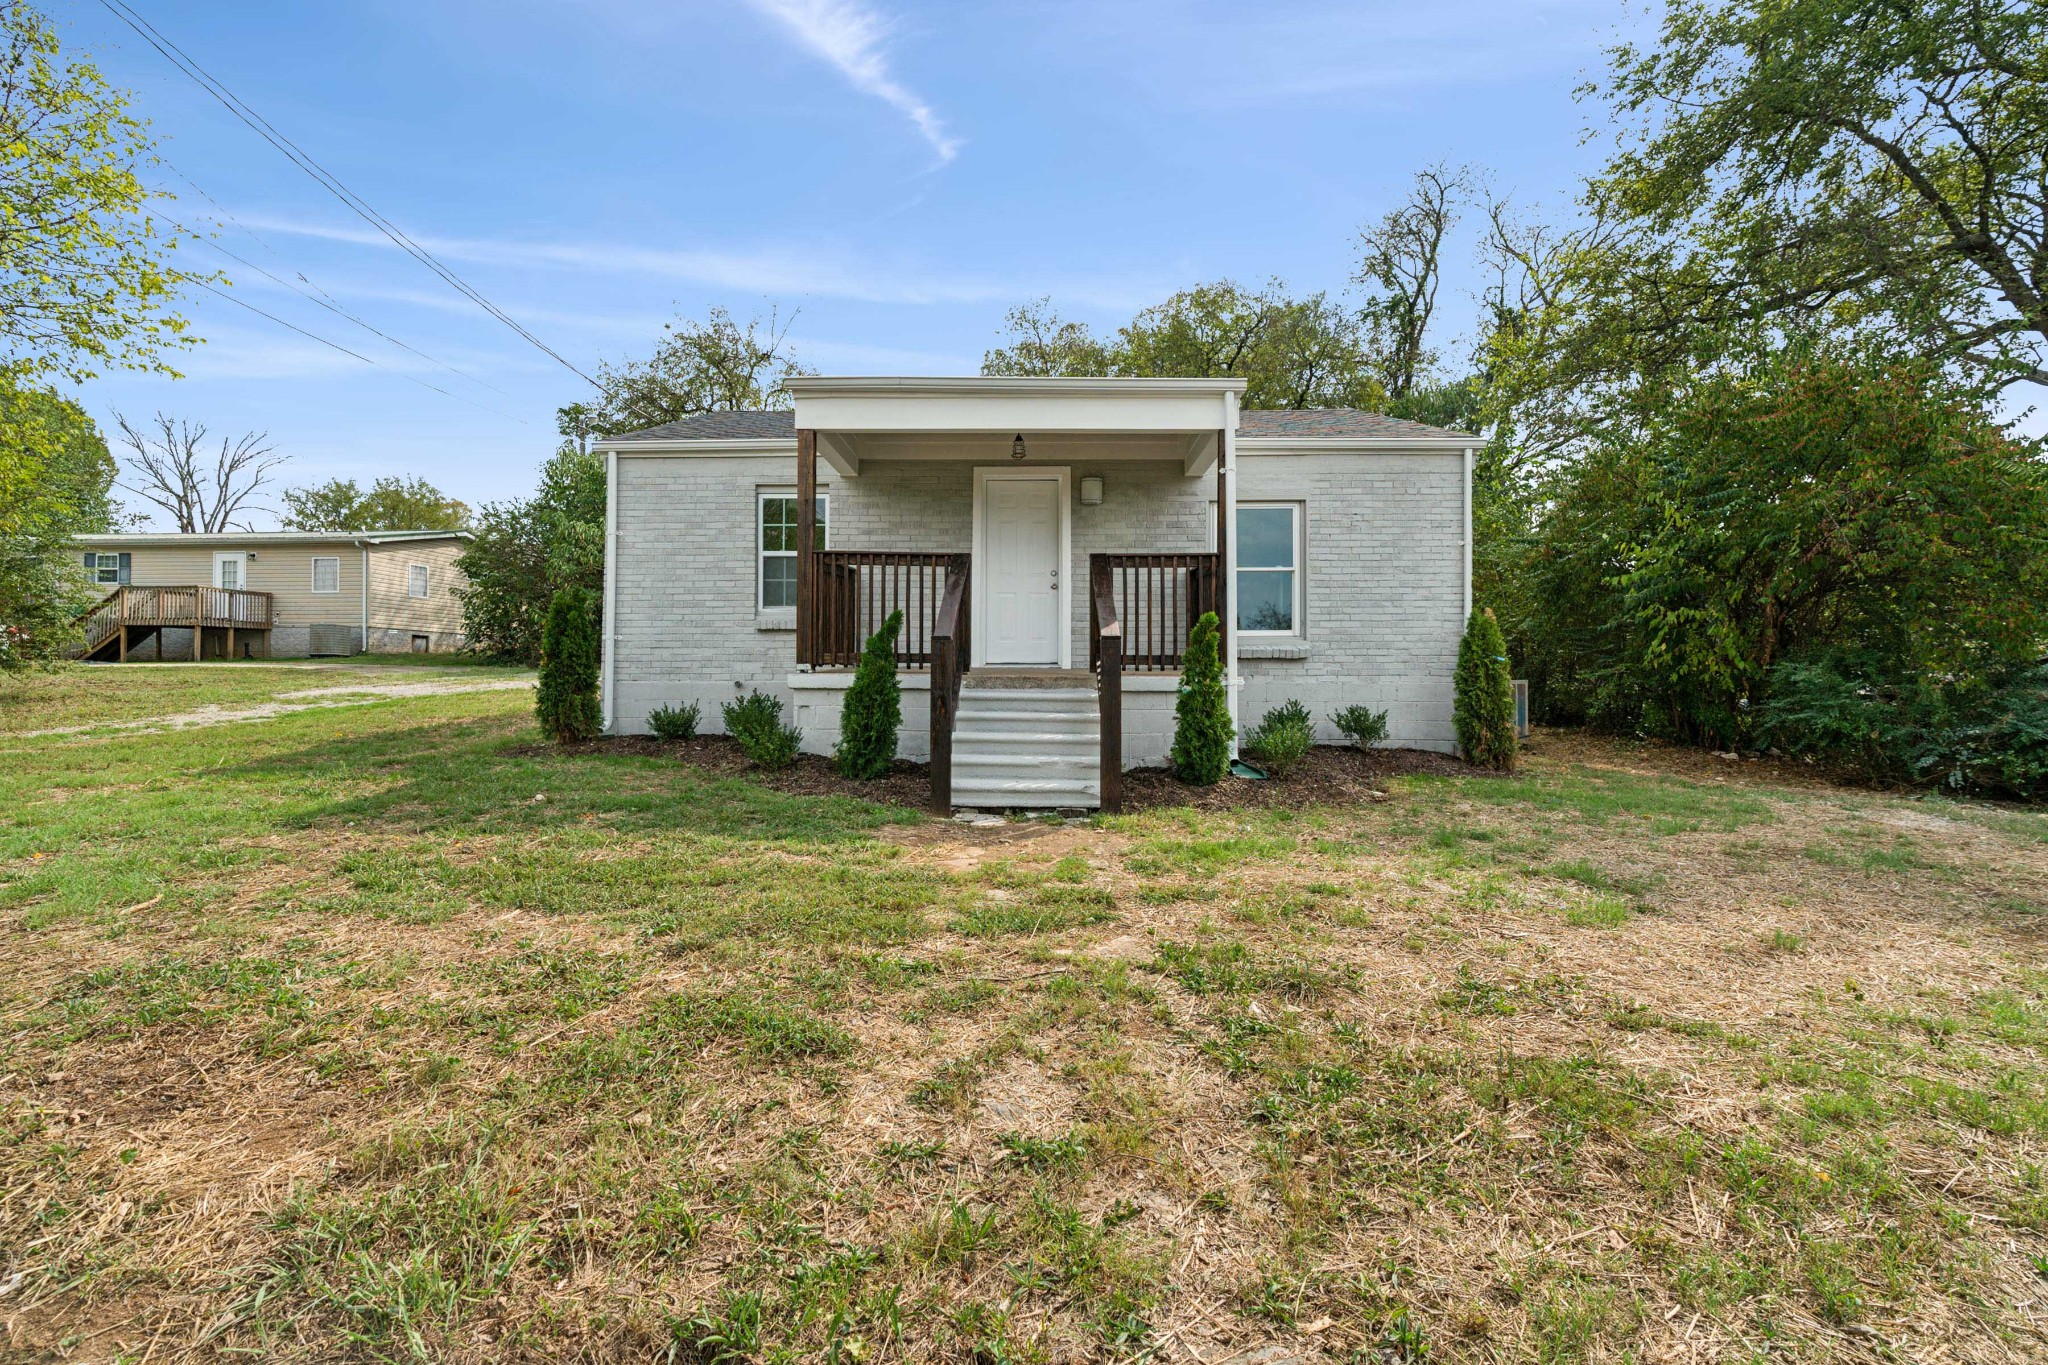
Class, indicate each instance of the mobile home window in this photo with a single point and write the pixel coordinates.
(1269, 568)
(777, 521)
(107, 567)
(326, 573)
(416, 580)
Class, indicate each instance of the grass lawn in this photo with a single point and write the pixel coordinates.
(357, 1033)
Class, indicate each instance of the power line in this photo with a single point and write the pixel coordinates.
(361, 207)
(325, 300)
(318, 295)
(337, 346)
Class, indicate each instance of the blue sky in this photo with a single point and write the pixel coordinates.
(895, 173)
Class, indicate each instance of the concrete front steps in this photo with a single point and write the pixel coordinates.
(1032, 740)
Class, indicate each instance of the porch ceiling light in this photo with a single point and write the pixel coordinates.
(1017, 447)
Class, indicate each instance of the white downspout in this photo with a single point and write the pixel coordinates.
(608, 638)
(1228, 456)
(364, 546)
(1468, 542)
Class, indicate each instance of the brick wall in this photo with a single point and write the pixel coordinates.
(1384, 586)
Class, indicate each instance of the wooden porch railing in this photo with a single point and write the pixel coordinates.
(1106, 655)
(950, 656)
(852, 593)
(1157, 599)
(192, 607)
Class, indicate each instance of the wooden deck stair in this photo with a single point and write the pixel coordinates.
(131, 616)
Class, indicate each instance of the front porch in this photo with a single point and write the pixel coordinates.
(1047, 553)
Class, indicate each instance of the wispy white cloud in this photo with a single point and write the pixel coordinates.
(850, 35)
(788, 273)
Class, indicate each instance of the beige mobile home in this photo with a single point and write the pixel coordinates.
(275, 594)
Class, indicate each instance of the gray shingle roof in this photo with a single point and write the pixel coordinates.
(721, 426)
(1333, 423)
(1253, 423)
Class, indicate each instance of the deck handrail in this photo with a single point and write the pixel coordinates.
(852, 592)
(951, 654)
(1161, 596)
(191, 605)
(1106, 655)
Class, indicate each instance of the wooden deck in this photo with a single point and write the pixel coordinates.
(129, 617)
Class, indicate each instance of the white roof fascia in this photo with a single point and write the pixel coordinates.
(726, 448)
(1361, 445)
(1002, 405)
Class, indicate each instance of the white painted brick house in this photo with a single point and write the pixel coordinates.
(1028, 528)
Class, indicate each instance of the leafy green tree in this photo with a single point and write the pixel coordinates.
(1201, 712)
(1806, 503)
(1292, 352)
(1041, 343)
(391, 504)
(87, 276)
(56, 481)
(710, 366)
(525, 551)
(566, 701)
(1483, 704)
(1831, 164)
(873, 710)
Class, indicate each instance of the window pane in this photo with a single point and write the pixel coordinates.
(778, 581)
(1265, 537)
(326, 575)
(416, 581)
(778, 523)
(1265, 600)
(818, 531)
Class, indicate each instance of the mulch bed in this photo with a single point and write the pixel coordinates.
(1329, 776)
(907, 783)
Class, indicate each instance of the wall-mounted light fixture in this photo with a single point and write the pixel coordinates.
(1091, 491)
(252, 554)
(1017, 447)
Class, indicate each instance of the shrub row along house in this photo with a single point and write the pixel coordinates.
(272, 593)
(1049, 543)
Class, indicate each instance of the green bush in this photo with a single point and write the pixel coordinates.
(1968, 733)
(1364, 726)
(566, 701)
(1282, 738)
(755, 720)
(1201, 713)
(873, 709)
(673, 723)
(1484, 706)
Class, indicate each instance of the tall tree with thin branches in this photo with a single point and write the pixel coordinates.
(1400, 266)
(171, 468)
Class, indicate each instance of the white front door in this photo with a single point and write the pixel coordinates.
(1019, 572)
(227, 569)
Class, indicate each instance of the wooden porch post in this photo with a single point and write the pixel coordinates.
(124, 644)
(806, 536)
(1222, 558)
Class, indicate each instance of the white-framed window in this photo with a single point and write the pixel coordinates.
(775, 523)
(326, 573)
(416, 580)
(1268, 568)
(107, 566)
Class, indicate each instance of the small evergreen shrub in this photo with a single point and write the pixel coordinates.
(1201, 713)
(565, 703)
(1484, 707)
(1362, 725)
(671, 724)
(873, 710)
(1282, 738)
(755, 720)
